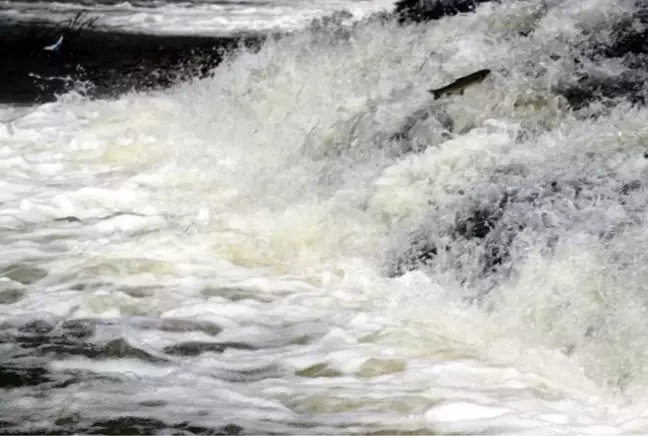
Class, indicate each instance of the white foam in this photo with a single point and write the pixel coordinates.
(203, 18)
(462, 411)
(259, 200)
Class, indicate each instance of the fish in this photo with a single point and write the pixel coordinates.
(54, 46)
(459, 85)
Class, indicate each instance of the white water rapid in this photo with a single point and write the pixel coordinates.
(264, 205)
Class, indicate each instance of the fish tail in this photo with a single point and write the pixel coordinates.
(436, 93)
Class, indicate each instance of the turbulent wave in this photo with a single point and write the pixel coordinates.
(258, 252)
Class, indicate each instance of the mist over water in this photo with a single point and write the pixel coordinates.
(257, 253)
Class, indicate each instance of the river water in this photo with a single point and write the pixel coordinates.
(226, 255)
(220, 17)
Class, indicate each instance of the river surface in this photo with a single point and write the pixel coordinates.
(220, 17)
(227, 255)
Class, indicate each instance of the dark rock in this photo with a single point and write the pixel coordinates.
(427, 10)
(196, 348)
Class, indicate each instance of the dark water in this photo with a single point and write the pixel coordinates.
(282, 358)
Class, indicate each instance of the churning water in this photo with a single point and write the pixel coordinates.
(238, 253)
(191, 16)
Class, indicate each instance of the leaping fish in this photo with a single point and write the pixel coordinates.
(459, 85)
(54, 46)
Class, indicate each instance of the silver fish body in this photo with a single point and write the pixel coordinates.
(459, 85)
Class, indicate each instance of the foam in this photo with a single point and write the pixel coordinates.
(205, 18)
(264, 200)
